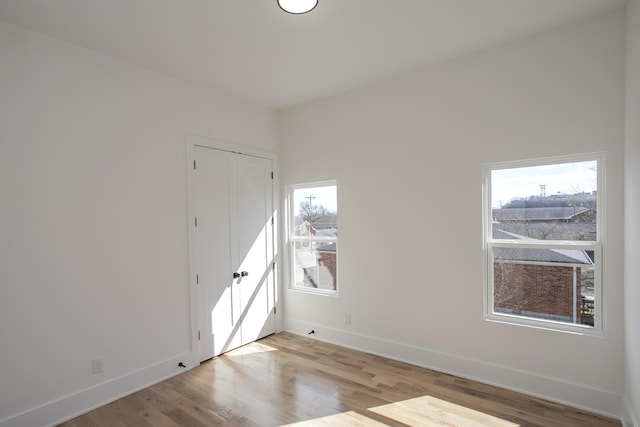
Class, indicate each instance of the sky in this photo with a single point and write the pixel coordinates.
(325, 196)
(522, 182)
(508, 183)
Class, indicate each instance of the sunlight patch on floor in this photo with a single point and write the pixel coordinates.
(345, 419)
(249, 349)
(431, 411)
(417, 412)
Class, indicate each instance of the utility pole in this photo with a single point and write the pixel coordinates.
(543, 192)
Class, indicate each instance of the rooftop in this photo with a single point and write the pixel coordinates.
(538, 214)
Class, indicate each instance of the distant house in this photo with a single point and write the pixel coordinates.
(308, 230)
(305, 229)
(558, 223)
(552, 214)
(540, 283)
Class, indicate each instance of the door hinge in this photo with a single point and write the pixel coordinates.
(271, 175)
(197, 279)
(194, 165)
(196, 221)
(272, 222)
(274, 310)
(198, 335)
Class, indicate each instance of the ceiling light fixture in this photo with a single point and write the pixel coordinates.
(297, 7)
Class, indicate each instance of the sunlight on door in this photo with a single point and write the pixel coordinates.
(253, 298)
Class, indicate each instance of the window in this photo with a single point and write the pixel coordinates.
(542, 243)
(313, 236)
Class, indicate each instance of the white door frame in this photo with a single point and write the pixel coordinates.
(193, 141)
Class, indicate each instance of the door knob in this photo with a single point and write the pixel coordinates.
(244, 274)
(236, 275)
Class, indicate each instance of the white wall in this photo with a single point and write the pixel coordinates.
(407, 155)
(93, 223)
(632, 227)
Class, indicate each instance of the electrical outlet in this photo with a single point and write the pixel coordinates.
(347, 319)
(97, 365)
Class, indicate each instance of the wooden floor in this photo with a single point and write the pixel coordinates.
(288, 379)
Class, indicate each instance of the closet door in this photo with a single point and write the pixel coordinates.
(213, 193)
(255, 247)
(231, 204)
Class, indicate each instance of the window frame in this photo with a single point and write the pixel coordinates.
(292, 239)
(597, 246)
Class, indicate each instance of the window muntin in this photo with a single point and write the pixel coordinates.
(543, 249)
(313, 235)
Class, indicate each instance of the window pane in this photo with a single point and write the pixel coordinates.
(315, 211)
(550, 202)
(551, 284)
(315, 264)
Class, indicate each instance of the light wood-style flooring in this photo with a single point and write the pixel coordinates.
(289, 379)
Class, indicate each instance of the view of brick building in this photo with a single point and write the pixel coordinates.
(327, 260)
(316, 263)
(541, 283)
(550, 284)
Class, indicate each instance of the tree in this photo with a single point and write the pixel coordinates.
(586, 200)
(312, 213)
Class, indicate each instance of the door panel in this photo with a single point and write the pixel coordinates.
(254, 213)
(213, 204)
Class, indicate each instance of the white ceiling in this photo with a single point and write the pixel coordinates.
(253, 50)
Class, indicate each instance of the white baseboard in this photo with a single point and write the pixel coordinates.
(78, 403)
(579, 396)
(629, 418)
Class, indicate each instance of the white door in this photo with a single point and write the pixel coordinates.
(255, 247)
(231, 205)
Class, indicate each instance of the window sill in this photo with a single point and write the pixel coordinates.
(546, 325)
(314, 291)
